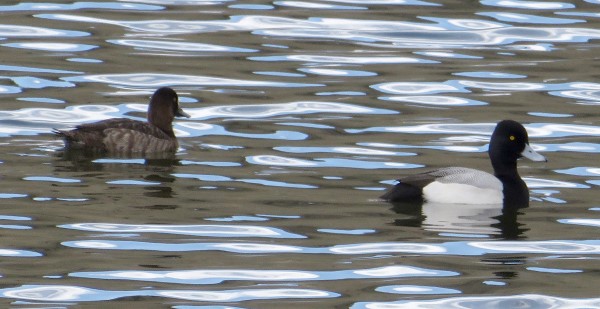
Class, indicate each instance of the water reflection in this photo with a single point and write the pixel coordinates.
(463, 220)
(52, 47)
(32, 121)
(535, 130)
(416, 290)
(264, 182)
(320, 59)
(65, 293)
(458, 248)
(170, 46)
(456, 33)
(434, 100)
(200, 276)
(266, 200)
(212, 230)
(37, 32)
(82, 160)
(13, 68)
(316, 5)
(529, 5)
(583, 222)
(13, 253)
(254, 111)
(272, 160)
(36, 7)
(530, 19)
(156, 80)
(513, 301)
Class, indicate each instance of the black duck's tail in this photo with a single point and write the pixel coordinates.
(404, 193)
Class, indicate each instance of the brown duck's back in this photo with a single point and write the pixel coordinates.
(120, 136)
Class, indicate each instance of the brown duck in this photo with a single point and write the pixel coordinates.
(122, 136)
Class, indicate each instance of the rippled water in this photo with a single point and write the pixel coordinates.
(303, 112)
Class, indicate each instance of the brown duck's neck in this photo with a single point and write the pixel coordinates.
(158, 121)
(168, 131)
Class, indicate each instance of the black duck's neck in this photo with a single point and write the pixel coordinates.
(504, 162)
(516, 193)
(505, 169)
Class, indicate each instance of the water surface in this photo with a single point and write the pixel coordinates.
(303, 113)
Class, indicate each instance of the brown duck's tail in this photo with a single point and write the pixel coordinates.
(63, 134)
(67, 136)
(58, 132)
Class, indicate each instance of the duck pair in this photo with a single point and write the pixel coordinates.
(462, 185)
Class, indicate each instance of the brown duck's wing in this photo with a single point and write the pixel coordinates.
(107, 135)
(126, 141)
(123, 123)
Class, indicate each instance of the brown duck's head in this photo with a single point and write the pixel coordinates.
(163, 108)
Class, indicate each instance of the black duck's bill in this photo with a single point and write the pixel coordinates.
(532, 155)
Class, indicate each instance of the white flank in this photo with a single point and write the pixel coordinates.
(437, 192)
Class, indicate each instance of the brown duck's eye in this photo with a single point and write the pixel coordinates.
(512, 137)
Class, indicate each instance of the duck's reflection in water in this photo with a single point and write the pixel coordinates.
(490, 220)
(154, 173)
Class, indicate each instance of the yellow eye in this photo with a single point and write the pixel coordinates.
(512, 137)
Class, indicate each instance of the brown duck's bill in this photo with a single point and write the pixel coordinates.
(181, 113)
